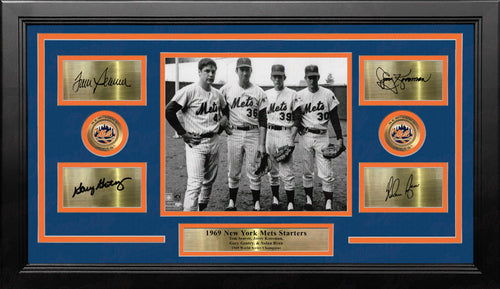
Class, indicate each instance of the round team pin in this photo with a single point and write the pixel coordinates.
(104, 133)
(402, 133)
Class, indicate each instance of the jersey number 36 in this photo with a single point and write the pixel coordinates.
(252, 112)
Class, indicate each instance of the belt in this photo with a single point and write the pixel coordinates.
(315, 130)
(277, 127)
(207, 135)
(246, 127)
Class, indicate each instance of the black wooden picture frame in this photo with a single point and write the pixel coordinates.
(16, 272)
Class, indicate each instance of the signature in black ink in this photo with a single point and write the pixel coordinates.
(396, 81)
(102, 184)
(103, 81)
(393, 186)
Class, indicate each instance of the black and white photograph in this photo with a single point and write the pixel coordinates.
(256, 133)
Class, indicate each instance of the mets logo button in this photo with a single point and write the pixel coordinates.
(402, 133)
(104, 133)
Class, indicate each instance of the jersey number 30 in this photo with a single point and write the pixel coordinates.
(323, 115)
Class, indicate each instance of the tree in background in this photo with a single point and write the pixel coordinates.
(329, 79)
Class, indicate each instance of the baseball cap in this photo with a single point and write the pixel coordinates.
(311, 70)
(243, 62)
(277, 69)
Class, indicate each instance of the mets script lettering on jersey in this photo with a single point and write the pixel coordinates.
(201, 108)
(309, 107)
(244, 103)
(281, 104)
(274, 108)
(316, 107)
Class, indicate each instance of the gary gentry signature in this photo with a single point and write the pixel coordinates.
(102, 184)
(396, 81)
(103, 81)
(393, 186)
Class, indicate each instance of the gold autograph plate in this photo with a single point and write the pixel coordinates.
(405, 82)
(94, 187)
(415, 186)
(101, 80)
(277, 240)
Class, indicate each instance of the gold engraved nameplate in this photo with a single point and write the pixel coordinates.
(310, 239)
(102, 187)
(418, 82)
(406, 185)
(101, 80)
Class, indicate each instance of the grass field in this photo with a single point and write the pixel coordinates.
(176, 179)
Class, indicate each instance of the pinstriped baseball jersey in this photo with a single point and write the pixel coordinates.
(280, 105)
(201, 108)
(316, 107)
(244, 104)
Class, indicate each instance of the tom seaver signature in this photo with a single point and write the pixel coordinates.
(104, 80)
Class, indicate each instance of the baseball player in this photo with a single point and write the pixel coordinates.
(247, 118)
(201, 105)
(283, 119)
(318, 106)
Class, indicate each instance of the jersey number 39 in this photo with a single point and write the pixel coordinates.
(288, 116)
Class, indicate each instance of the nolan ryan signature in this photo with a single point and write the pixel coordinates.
(393, 187)
(102, 184)
(104, 80)
(396, 81)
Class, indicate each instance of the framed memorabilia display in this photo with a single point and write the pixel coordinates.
(182, 143)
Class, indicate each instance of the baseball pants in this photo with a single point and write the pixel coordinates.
(313, 144)
(240, 145)
(202, 162)
(280, 170)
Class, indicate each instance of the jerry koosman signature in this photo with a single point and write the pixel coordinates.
(395, 82)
